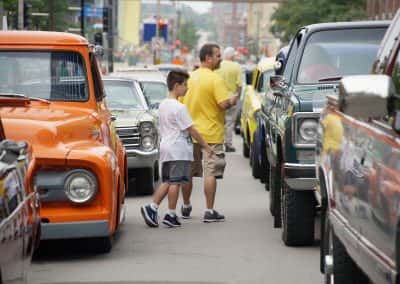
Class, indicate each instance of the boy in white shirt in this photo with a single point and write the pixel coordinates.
(176, 150)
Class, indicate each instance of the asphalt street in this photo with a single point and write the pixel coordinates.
(244, 249)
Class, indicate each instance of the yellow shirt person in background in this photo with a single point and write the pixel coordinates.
(231, 73)
(206, 100)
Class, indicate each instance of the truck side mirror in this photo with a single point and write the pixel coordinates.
(365, 96)
(277, 84)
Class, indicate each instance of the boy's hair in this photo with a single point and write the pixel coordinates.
(207, 50)
(176, 76)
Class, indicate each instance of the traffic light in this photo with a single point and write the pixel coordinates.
(98, 38)
(106, 19)
(162, 29)
(27, 14)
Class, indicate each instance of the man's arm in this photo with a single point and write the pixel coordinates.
(229, 102)
(196, 135)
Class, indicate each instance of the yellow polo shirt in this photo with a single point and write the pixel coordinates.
(206, 90)
(231, 72)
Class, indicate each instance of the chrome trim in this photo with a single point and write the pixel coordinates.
(74, 230)
(296, 116)
(141, 152)
(299, 183)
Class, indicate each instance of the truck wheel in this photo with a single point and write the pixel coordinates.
(264, 175)
(145, 181)
(275, 195)
(298, 217)
(255, 165)
(345, 271)
(246, 149)
(102, 244)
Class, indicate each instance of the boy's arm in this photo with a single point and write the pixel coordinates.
(196, 135)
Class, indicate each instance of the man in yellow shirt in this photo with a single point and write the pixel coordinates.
(206, 100)
(231, 72)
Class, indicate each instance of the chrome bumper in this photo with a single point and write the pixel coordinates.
(74, 230)
(141, 159)
(300, 176)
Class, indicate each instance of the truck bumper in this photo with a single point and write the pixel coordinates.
(74, 230)
(141, 159)
(300, 176)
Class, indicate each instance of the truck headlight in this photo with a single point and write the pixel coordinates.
(308, 131)
(146, 128)
(147, 143)
(80, 186)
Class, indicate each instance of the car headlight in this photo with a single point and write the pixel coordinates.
(80, 186)
(146, 128)
(147, 143)
(308, 131)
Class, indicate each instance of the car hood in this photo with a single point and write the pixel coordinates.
(313, 97)
(52, 131)
(131, 117)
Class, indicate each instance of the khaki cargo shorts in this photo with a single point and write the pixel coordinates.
(203, 165)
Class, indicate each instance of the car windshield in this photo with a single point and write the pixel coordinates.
(54, 76)
(155, 91)
(330, 55)
(122, 95)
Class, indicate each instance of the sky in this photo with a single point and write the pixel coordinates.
(198, 6)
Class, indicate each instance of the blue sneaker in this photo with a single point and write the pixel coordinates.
(186, 211)
(171, 221)
(149, 215)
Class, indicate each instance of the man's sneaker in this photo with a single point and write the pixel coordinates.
(186, 211)
(171, 221)
(213, 217)
(149, 215)
(229, 148)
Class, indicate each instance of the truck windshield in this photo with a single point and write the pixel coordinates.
(122, 95)
(54, 76)
(334, 54)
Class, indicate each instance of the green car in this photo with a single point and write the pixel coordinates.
(319, 56)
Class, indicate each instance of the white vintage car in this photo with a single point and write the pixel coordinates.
(136, 126)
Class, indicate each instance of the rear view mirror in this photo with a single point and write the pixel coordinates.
(365, 96)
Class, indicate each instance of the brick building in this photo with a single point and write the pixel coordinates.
(382, 9)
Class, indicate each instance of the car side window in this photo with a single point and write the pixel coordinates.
(98, 84)
(292, 55)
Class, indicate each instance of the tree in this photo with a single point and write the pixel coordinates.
(56, 21)
(293, 14)
(188, 34)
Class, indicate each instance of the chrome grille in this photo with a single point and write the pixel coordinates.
(130, 137)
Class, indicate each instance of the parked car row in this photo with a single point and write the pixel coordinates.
(326, 143)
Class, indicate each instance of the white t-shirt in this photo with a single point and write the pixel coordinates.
(176, 143)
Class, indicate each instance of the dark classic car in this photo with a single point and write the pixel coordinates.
(319, 56)
(358, 168)
(19, 210)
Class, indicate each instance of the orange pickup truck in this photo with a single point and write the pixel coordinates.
(56, 103)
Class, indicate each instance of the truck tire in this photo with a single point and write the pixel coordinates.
(345, 271)
(246, 149)
(145, 181)
(275, 195)
(298, 217)
(264, 175)
(101, 244)
(255, 165)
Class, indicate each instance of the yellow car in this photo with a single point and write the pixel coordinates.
(255, 95)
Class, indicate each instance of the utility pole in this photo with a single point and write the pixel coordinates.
(20, 14)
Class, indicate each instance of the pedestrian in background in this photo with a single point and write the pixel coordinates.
(176, 150)
(231, 73)
(206, 100)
